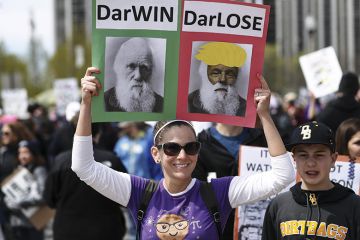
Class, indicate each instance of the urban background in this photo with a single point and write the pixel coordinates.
(295, 28)
(53, 40)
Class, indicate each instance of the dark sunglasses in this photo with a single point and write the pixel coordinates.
(173, 149)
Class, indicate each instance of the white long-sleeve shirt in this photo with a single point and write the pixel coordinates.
(117, 186)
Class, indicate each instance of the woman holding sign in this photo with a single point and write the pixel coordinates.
(177, 209)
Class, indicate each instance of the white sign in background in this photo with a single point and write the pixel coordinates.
(345, 176)
(137, 14)
(322, 71)
(66, 91)
(22, 185)
(15, 102)
(223, 18)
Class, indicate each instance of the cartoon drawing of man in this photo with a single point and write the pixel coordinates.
(172, 227)
(219, 70)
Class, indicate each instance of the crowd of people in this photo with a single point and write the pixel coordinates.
(94, 175)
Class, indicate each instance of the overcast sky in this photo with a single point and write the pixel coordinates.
(15, 24)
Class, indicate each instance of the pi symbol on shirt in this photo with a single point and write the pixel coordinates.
(305, 132)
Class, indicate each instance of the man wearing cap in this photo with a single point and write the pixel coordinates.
(344, 106)
(219, 70)
(315, 207)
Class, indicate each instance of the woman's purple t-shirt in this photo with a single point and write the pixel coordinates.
(181, 217)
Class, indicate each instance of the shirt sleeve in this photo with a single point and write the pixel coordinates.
(110, 183)
(249, 189)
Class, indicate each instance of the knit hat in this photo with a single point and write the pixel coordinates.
(312, 133)
(349, 84)
(31, 145)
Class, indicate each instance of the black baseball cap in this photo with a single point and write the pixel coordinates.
(312, 133)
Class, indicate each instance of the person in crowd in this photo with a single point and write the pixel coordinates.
(219, 155)
(29, 157)
(131, 147)
(282, 120)
(348, 138)
(63, 136)
(133, 67)
(293, 108)
(176, 150)
(11, 134)
(344, 106)
(77, 205)
(312, 108)
(40, 125)
(109, 135)
(219, 73)
(316, 207)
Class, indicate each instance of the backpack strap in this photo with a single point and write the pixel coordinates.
(208, 196)
(151, 186)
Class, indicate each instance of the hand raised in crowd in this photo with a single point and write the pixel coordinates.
(262, 97)
(90, 85)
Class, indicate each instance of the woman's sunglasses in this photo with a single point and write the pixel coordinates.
(173, 149)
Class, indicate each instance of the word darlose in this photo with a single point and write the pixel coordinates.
(232, 20)
(141, 13)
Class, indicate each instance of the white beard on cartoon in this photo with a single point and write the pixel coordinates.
(218, 98)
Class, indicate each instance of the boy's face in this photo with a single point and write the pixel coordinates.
(313, 163)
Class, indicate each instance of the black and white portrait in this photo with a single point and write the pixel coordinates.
(219, 78)
(251, 217)
(134, 74)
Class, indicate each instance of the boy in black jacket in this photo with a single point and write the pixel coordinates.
(316, 207)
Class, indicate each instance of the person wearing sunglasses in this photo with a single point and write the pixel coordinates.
(11, 134)
(178, 194)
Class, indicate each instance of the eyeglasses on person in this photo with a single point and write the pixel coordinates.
(165, 227)
(173, 149)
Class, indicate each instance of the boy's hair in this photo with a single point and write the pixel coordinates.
(312, 133)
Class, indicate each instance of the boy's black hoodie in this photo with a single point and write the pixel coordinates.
(299, 214)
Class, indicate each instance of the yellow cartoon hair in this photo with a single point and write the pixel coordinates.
(227, 54)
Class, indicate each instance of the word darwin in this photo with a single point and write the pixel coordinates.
(138, 13)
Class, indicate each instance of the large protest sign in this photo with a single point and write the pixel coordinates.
(15, 102)
(66, 90)
(249, 218)
(221, 42)
(21, 185)
(322, 71)
(167, 36)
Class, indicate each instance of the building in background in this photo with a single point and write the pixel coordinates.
(72, 17)
(303, 26)
(296, 27)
